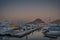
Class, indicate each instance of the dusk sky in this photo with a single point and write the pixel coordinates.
(26, 10)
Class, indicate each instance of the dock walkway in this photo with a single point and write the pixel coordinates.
(22, 34)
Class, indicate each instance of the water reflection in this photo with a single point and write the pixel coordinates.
(37, 35)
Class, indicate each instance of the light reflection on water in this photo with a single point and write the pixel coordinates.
(37, 35)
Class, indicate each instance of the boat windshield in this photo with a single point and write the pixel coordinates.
(54, 28)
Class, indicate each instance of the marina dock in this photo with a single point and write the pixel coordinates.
(22, 34)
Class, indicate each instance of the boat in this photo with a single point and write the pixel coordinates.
(52, 31)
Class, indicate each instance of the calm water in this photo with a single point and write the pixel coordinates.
(37, 35)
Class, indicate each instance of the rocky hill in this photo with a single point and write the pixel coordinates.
(36, 21)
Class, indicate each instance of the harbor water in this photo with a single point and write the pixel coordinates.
(36, 35)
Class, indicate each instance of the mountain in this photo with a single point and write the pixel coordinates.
(56, 21)
(36, 21)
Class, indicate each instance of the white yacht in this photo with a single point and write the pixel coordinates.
(52, 31)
